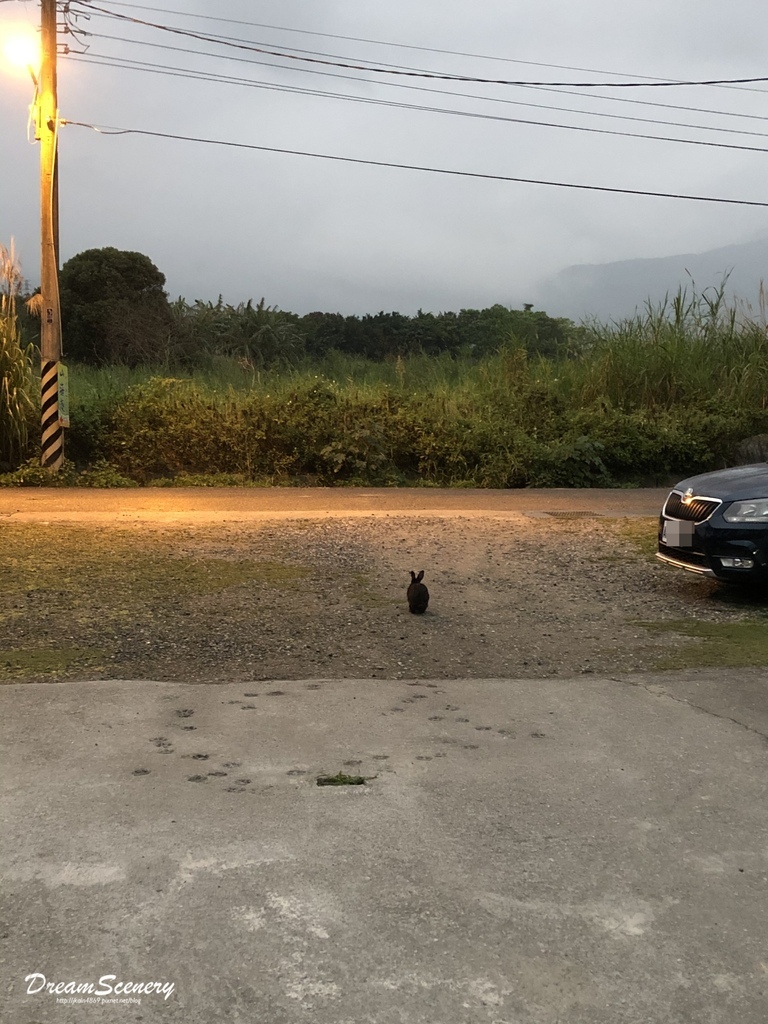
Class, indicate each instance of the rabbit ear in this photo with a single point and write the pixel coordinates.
(420, 577)
(413, 576)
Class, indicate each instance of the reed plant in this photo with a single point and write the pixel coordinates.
(693, 350)
(18, 382)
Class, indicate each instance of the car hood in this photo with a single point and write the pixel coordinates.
(738, 483)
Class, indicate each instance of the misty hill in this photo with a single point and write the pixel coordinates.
(615, 290)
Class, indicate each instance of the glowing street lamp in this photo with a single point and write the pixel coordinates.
(21, 49)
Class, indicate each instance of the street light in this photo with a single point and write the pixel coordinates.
(21, 48)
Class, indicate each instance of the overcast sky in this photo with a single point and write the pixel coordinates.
(313, 234)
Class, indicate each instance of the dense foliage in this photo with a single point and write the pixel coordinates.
(487, 398)
(475, 332)
(113, 308)
(630, 408)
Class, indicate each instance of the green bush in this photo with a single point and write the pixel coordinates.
(32, 474)
(575, 461)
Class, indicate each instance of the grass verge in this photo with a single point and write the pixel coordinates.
(77, 597)
(741, 644)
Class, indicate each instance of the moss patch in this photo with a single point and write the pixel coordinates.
(71, 560)
(732, 644)
(340, 779)
(642, 533)
(45, 661)
(118, 598)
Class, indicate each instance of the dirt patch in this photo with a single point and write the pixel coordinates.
(510, 597)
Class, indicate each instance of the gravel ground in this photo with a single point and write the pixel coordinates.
(518, 596)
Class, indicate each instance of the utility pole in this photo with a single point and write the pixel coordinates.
(50, 317)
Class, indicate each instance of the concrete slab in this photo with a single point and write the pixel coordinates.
(529, 851)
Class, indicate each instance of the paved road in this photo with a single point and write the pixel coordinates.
(237, 504)
(572, 851)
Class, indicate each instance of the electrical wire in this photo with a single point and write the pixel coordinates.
(32, 115)
(110, 130)
(643, 103)
(389, 43)
(392, 70)
(464, 95)
(219, 38)
(400, 85)
(377, 42)
(206, 76)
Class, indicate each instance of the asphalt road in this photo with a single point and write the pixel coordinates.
(194, 504)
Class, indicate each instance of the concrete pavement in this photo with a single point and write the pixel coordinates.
(570, 851)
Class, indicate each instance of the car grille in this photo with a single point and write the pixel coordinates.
(696, 510)
(685, 555)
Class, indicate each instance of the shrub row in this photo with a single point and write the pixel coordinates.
(311, 429)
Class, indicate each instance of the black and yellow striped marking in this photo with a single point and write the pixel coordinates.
(53, 435)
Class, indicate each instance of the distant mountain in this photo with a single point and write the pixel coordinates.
(614, 290)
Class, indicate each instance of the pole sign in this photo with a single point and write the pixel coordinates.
(63, 395)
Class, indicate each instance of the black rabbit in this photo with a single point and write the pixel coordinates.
(417, 594)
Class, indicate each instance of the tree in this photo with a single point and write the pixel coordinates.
(114, 308)
(323, 332)
(257, 336)
(260, 335)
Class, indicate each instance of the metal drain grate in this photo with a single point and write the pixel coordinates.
(574, 515)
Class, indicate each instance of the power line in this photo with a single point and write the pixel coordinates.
(464, 95)
(110, 130)
(641, 103)
(417, 88)
(382, 42)
(391, 70)
(376, 42)
(226, 79)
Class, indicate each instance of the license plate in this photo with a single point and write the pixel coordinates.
(677, 535)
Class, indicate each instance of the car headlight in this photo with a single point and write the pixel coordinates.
(754, 511)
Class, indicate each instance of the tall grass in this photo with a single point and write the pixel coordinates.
(18, 384)
(692, 350)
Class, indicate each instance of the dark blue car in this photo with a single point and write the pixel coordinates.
(716, 524)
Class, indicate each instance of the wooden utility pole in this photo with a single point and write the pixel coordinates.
(50, 324)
